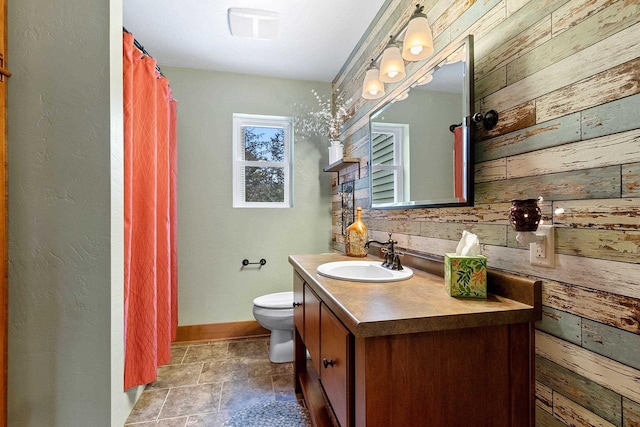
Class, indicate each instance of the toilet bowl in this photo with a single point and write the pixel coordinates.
(275, 312)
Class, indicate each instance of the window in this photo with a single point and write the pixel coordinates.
(262, 152)
(388, 166)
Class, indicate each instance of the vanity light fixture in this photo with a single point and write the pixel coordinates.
(416, 46)
(392, 64)
(418, 40)
(404, 95)
(456, 56)
(424, 79)
(372, 87)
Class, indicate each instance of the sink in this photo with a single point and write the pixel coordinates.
(363, 271)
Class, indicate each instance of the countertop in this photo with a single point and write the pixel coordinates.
(418, 304)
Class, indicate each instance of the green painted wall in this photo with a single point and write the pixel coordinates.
(213, 237)
(65, 177)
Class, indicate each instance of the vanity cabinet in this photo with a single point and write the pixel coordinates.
(335, 373)
(312, 326)
(328, 344)
(298, 304)
(407, 354)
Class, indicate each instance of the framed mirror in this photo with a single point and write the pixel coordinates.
(420, 142)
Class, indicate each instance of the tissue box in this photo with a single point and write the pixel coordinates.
(465, 276)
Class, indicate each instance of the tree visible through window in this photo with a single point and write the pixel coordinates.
(262, 166)
(264, 184)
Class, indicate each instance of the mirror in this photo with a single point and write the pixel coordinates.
(420, 144)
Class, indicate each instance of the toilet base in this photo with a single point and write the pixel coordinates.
(281, 346)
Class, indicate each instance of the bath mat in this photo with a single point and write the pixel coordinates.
(272, 414)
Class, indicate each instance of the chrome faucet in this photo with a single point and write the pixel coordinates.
(391, 256)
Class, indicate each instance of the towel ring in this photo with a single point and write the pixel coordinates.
(488, 120)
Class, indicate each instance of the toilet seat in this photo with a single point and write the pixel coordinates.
(278, 300)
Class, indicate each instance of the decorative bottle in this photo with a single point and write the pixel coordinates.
(356, 237)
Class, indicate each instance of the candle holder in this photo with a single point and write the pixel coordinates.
(524, 216)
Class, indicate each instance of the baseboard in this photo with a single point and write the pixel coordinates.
(220, 331)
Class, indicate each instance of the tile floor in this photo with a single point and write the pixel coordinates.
(206, 383)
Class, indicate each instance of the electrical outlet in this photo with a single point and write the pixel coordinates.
(542, 253)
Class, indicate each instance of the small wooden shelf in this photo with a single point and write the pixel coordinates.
(343, 163)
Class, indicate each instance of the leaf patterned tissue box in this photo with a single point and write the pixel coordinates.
(465, 276)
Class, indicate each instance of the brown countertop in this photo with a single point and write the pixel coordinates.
(419, 304)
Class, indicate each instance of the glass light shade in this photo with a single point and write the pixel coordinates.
(418, 40)
(424, 79)
(392, 65)
(404, 95)
(456, 56)
(372, 88)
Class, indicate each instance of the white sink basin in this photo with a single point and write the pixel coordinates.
(363, 271)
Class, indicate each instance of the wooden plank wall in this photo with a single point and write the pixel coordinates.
(565, 78)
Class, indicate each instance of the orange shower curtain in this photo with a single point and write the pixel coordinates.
(150, 159)
(458, 164)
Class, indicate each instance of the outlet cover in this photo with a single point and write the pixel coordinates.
(547, 249)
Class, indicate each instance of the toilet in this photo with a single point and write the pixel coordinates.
(275, 312)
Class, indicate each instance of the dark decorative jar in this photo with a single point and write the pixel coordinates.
(525, 215)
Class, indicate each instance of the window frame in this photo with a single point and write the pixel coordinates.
(252, 120)
(400, 167)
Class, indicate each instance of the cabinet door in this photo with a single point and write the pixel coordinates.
(336, 349)
(312, 326)
(298, 304)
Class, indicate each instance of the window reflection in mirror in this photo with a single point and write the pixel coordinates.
(420, 143)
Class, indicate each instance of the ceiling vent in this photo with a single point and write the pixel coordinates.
(253, 23)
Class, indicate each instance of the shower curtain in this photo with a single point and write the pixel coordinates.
(458, 164)
(150, 163)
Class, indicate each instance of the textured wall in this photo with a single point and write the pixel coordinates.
(565, 77)
(213, 237)
(60, 300)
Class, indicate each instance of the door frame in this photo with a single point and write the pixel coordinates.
(4, 295)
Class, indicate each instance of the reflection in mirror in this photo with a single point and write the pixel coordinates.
(420, 141)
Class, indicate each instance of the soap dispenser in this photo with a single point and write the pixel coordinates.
(356, 237)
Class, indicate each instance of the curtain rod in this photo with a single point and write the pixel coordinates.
(137, 44)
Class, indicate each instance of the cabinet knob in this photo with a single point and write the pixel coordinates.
(327, 362)
(297, 304)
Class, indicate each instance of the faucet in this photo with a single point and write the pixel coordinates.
(391, 256)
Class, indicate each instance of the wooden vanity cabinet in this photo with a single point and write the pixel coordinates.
(335, 372)
(329, 344)
(312, 326)
(475, 372)
(298, 304)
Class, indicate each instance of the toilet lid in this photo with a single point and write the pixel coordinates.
(277, 300)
